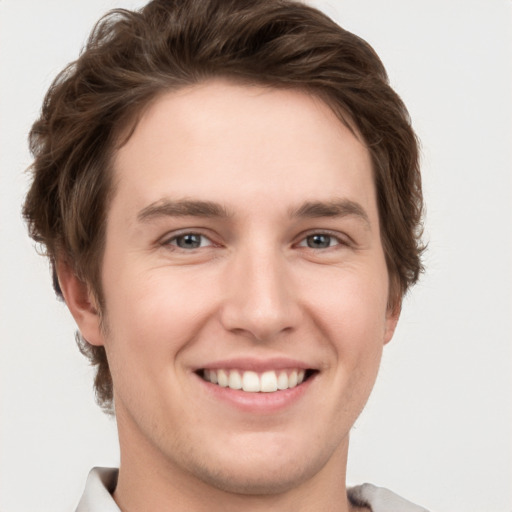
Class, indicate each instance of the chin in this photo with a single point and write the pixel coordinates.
(259, 471)
(261, 480)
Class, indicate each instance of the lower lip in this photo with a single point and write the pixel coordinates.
(257, 402)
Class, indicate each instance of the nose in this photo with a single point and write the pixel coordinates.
(260, 300)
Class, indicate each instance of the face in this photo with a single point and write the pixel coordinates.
(245, 287)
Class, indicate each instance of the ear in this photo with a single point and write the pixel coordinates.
(392, 315)
(81, 303)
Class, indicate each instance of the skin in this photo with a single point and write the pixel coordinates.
(256, 288)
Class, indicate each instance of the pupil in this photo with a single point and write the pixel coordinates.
(189, 241)
(319, 241)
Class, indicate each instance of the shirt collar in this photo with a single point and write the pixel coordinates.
(97, 496)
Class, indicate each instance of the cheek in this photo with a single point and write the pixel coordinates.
(351, 306)
(156, 308)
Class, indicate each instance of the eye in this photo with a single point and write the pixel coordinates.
(189, 241)
(319, 241)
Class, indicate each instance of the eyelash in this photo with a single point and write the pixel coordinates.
(173, 241)
(303, 241)
(339, 241)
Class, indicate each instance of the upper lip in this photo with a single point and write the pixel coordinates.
(256, 365)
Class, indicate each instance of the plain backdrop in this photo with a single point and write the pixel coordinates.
(438, 426)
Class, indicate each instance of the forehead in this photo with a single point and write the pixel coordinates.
(220, 141)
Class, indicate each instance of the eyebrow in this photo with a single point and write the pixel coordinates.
(182, 208)
(335, 208)
(210, 209)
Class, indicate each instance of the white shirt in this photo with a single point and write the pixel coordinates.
(101, 482)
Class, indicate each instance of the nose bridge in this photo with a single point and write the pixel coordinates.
(260, 299)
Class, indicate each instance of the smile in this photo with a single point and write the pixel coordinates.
(253, 382)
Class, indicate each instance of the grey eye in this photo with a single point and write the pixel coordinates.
(189, 241)
(319, 241)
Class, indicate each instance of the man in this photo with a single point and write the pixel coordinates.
(230, 197)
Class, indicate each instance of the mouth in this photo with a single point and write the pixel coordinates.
(269, 381)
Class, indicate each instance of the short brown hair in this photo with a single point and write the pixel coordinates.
(131, 57)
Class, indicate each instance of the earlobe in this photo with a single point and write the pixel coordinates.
(392, 316)
(81, 303)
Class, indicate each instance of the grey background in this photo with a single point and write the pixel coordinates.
(438, 426)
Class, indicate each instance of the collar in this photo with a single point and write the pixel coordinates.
(101, 483)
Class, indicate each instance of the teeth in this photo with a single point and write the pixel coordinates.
(268, 382)
(282, 381)
(252, 382)
(222, 378)
(235, 380)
